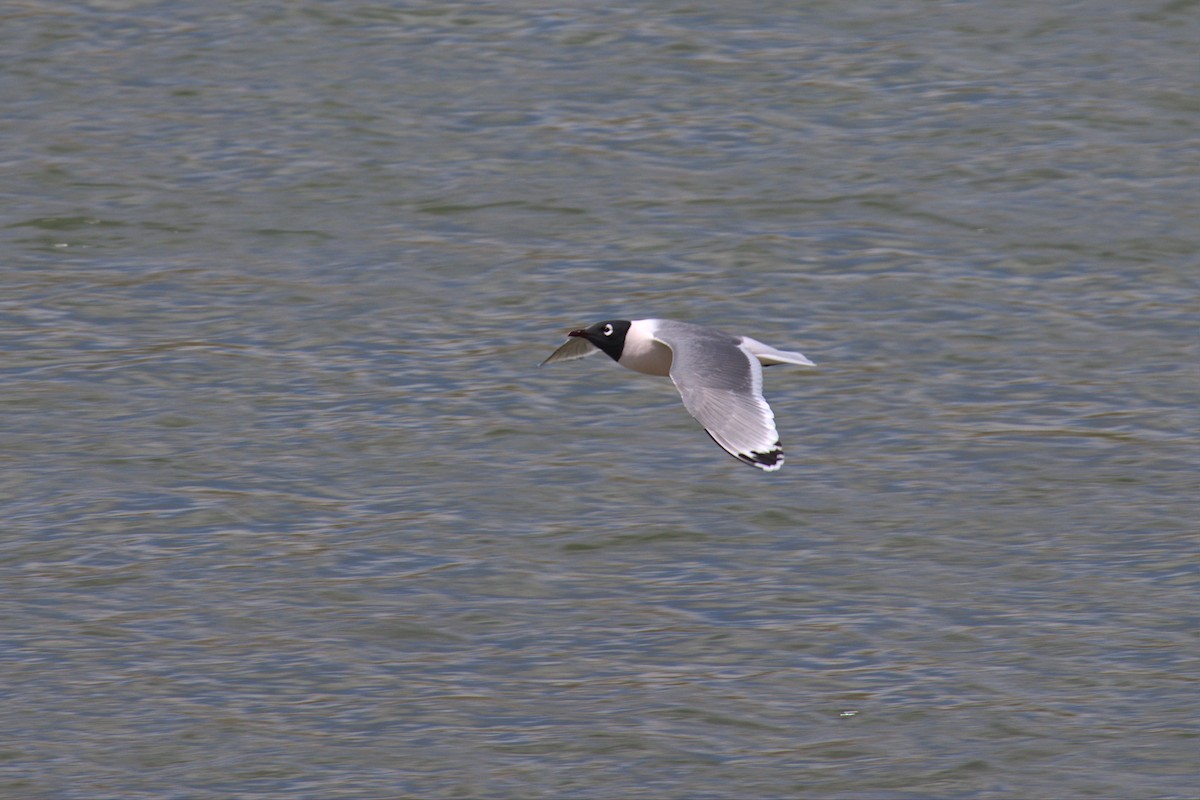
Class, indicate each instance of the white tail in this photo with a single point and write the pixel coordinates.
(769, 355)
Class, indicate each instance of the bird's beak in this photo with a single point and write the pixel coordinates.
(577, 333)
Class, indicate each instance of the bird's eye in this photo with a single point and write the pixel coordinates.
(608, 330)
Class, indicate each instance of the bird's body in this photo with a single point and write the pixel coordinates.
(718, 375)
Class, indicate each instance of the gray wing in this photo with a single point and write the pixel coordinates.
(720, 382)
(573, 348)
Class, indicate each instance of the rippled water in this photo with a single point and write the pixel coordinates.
(290, 512)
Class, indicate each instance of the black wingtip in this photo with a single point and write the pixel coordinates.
(769, 460)
(766, 460)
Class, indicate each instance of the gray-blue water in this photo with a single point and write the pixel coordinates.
(289, 511)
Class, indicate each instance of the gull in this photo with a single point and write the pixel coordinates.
(718, 375)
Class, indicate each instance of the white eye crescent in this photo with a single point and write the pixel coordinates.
(608, 330)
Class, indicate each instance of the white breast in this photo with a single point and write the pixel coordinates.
(642, 353)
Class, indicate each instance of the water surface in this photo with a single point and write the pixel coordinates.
(290, 512)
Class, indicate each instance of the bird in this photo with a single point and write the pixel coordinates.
(718, 375)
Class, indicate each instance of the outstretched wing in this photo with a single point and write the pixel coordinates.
(720, 381)
(573, 348)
